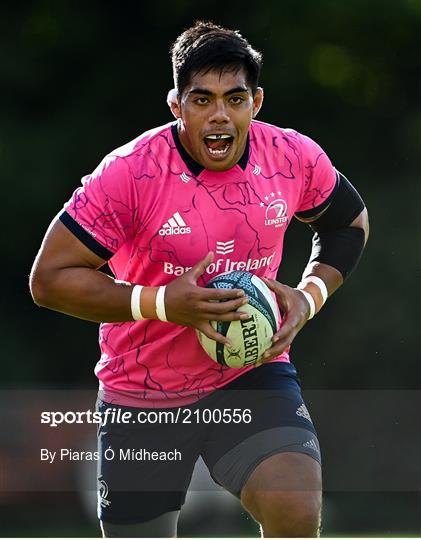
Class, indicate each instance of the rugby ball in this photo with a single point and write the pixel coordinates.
(250, 337)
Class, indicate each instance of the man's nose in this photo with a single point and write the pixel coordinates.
(219, 113)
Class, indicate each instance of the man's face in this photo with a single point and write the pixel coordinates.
(215, 110)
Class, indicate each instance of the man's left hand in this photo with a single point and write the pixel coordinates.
(295, 312)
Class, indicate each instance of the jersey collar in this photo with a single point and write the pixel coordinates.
(195, 167)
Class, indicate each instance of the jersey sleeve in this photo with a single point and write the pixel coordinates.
(320, 180)
(101, 213)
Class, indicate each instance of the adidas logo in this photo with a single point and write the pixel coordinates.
(175, 225)
(303, 412)
(311, 444)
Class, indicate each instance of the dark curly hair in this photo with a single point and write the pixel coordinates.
(207, 46)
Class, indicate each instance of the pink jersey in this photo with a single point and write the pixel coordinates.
(154, 212)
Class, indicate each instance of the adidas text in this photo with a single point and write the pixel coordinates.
(174, 230)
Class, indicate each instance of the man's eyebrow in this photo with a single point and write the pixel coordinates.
(206, 92)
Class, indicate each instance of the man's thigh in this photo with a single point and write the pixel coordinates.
(144, 469)
(287, 474)
(279, 424)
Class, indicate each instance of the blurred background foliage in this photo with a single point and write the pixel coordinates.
(78, 79)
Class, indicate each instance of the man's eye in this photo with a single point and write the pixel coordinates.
(236, 100)
(201, 101)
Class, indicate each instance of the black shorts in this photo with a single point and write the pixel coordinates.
(146, 464)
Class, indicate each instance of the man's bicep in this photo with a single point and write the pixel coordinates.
(344, 206)
(341, 231)
(62, 249)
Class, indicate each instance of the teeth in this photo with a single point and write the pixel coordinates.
(219, 152)
(218, 137)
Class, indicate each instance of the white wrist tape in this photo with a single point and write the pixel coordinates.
(160, 304)
(135, 303)
(320, 283)
(311, 303)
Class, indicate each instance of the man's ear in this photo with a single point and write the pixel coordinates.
(257, 101)
(173, 103)
(175, 109)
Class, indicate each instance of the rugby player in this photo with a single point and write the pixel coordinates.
(213, 190)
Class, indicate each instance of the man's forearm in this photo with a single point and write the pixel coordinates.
(88, 294)
(83, 292)
(331, 276)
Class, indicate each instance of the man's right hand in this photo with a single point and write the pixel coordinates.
(65, 278)
(188, 304)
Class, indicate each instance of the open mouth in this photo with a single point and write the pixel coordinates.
(218, 145)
